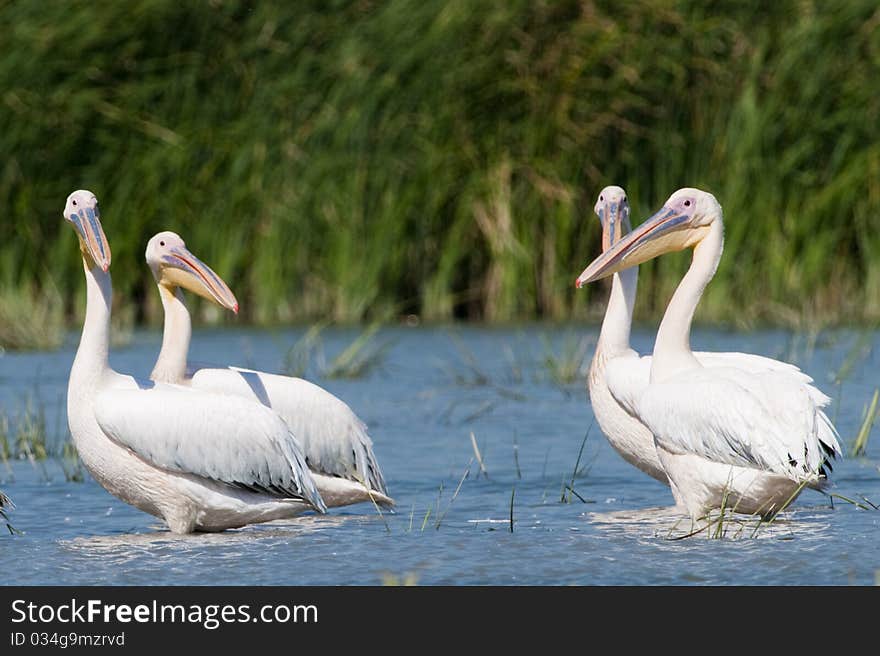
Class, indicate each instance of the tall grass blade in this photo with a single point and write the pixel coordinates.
(512, 498)
(478, 456)
(861, 444)
(454, 494)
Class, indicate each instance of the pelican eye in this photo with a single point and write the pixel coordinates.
(161, 243)
(74, 202)
(687, 203)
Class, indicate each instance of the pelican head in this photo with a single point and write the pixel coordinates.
(173, 265)
(612, 208)
(682, 222)
(81, 211)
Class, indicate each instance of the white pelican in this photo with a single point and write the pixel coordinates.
(614, 357)
(629, 437)
(334, 440)
(748, 433)
(199, 461)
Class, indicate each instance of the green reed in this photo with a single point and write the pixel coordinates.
(361, 357)
(25, 435)
(31, 437)
(569, 365)
(360, 160)
(860, 446)
(30, 318)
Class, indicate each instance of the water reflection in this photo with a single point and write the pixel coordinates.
(134, 544)
(421, 424)
(669, 523)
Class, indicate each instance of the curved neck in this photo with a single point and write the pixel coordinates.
(614, 336)
(672, 350)
(171, 363)
(94, 344)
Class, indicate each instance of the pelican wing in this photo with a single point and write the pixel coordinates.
(226, 439)
(766, 419)
(334, 440)
(627, 376)
(757, 364)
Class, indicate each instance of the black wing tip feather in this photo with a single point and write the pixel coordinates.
(374, 476)
(364, 471)
(829, 450)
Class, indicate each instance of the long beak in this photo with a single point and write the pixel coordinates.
(665, 231)
(184, 269)
(611, 218)
(93, 241)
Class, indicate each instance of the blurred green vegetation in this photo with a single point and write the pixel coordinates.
(353, 161)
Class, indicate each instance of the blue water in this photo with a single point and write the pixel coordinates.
(422, 404)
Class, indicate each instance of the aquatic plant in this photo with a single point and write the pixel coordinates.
(512, 498)
(516, 363)
(381, 514)
(467, 472)
(31, 318)
(871, 505)
(5, 447)
(569, 487)
(297, 358)
(469, 373)
(860, 348)
(408, 579)
(428, 158)
(361, 357)
(720, 523)
(425, 520)
(30, 435)
(570, 365)
(30, 439)
(516, 456)
(479, 456)
(71, 465)
(860, 445)
(364, 355)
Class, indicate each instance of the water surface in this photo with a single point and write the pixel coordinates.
(434, 387)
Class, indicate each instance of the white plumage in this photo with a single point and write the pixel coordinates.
(337, 448)
(728, 428)
(764, 420)
(628, 375)
(228, 440)
(333, 438)
(199, 461)
(618, 375)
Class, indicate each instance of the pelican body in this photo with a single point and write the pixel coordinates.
(615, 358)
(199, 461)
(337, 448)
(730, 429)
(626, 434)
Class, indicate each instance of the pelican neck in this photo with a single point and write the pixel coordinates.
(94, 345)
(615, 332)
(672, 350)
(176, 335)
